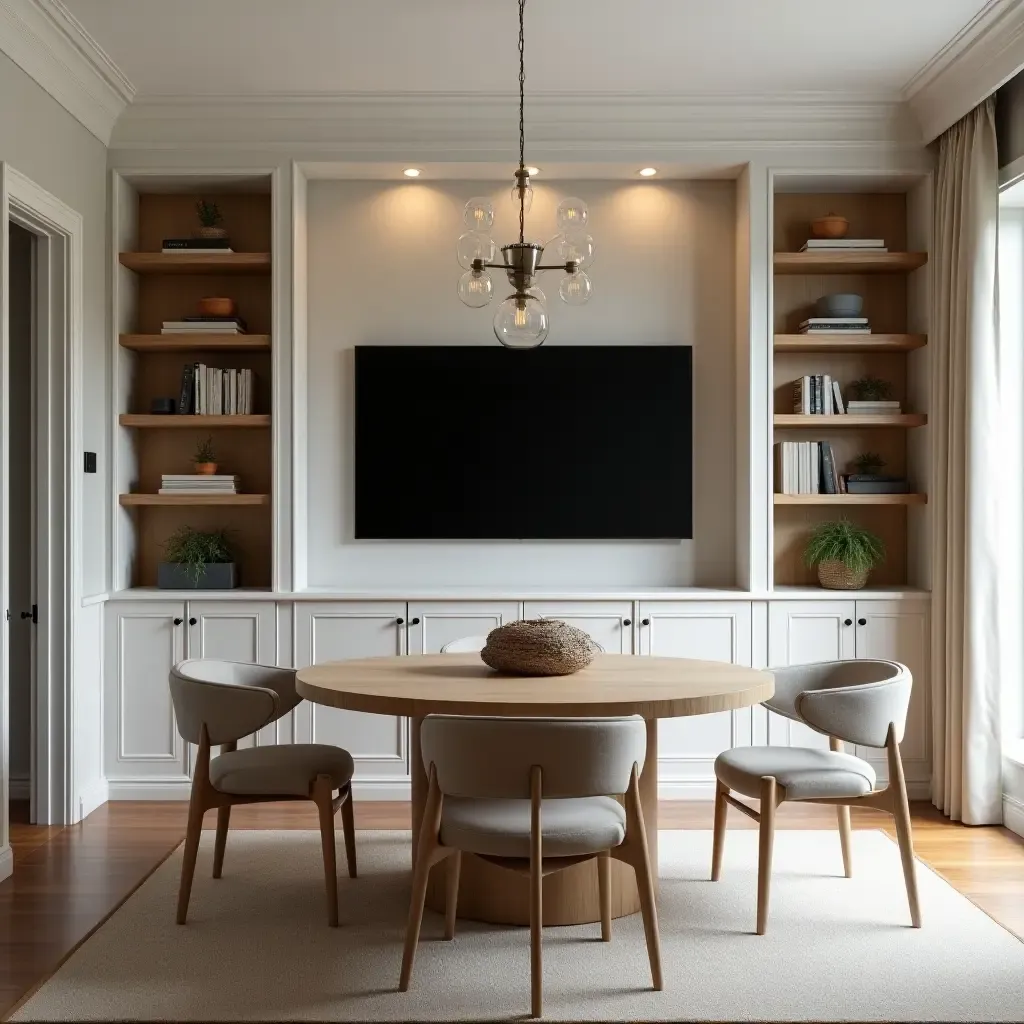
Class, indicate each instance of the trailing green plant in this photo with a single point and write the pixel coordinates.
(208, 213)
(842, 541)
(205, 452)
(869, 463)
(195, 549)
(870, 389)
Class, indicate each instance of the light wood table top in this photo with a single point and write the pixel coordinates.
(461, 684)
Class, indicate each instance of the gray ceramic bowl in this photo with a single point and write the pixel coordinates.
(839, 305)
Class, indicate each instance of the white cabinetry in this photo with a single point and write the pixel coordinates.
(610, 623)
(379, 744)
(432, 624)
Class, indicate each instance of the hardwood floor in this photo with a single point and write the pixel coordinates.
(68, 880)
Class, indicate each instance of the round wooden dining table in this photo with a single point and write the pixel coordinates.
(461, 684)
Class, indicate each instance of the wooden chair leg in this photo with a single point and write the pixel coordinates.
(638, 855)
(764, 858)
(901, 812)
(348, 825)
(451, 896)
(845, 838)
(718, 842)
(604, 889)
(323, 797)
(536, 895)
(193, 834)
(223, 820)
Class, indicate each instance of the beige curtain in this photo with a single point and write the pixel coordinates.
(966, 474)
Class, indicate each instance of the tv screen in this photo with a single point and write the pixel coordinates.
(559, 443)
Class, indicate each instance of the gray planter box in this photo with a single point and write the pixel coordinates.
(175, 576)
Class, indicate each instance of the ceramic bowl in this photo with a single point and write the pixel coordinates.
(832, 226)
(839, 305)
(216, 306)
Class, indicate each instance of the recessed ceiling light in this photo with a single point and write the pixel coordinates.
(533, 171)
(648, 172)
(411, 172)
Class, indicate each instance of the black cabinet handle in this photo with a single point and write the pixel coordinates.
(192, 621)
(178, 622)
(627, 622)
(414, 622)
(399, 621)
(862, 622)
(26, 615)
(847, 622)
(645, 622)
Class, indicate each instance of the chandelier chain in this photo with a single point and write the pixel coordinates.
(522, 127)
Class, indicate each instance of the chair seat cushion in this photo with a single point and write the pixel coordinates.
(501, 828)
(286, 770)
(803, 772)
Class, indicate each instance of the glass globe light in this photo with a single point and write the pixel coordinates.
(575, 289)
(474, 245)
(475, 288)
(479, 214)
(521, 321)
(527, 193)
(571, 215)
(574, 248)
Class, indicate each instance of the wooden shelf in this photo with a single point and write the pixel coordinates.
(848, 262)
(174, 422)
(906, 419)
(195, 342)
(849, 343)
(197, 263)
(850, 499)
(139, 500)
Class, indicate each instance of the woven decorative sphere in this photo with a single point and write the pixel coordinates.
(538, 647)
(836, 576)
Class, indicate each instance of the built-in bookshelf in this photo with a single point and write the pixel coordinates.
(154, 287)
(892, 352)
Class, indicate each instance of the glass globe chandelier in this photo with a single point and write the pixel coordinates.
(521, 320)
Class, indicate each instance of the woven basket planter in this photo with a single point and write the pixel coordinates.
(538, 647)
(836, 576)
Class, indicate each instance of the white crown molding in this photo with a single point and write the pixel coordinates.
(987, 52)
(49, 44)
(482, 126)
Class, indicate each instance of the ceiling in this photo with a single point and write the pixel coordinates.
(252, 48)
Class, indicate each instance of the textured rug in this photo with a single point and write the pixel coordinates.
(256, 947)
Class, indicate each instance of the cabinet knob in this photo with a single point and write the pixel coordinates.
(178, 622)
(847, 622)
(192, 621)
(645, 622)
(414, 622)
(399, 621)
(627, 622)
(862, 622)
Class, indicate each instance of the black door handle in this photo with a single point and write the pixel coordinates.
(192, 621)
(862, 622)
(414, 622)
(399, 621)
(627, 622)
(847, 622)
(178, 622)
(645, 622)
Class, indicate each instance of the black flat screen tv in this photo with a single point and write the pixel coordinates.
(553, 443)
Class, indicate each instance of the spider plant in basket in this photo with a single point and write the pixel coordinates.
(844, 554)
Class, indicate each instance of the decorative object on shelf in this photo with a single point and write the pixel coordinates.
(841, 305)
(216, 306)
(522, 319)
(205, 458)
(870, 389)
(830, 226)
(199, 482)
(538, 647)
(163, 406)
(844, 553)
(869, 479)
(210, 220)
(197, 560)
(868, 463)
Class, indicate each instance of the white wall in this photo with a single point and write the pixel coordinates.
(382, 270)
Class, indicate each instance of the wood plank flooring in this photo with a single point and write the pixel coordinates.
(68, 880)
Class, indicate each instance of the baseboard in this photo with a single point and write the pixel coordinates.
(6, 862)
(148, 789)
(704, 789)
(1013, 814)
(94, 795)
(381, 789)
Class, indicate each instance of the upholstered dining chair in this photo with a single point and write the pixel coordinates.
(220, 702)
(533, 795)
(862, 702)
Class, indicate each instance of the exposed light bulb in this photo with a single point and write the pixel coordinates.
(533, 171)
(411, 172)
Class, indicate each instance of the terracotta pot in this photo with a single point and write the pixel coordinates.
(836, 576)
(205, 232)
(206, 468)
(217, 306)
(832, 226)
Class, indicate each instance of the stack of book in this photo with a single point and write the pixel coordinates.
(198, 483)
(210, 391)
(806, 467)
(873, 408)
(204, 325)
(212, 245)
(835, 325)
(844, 245)
(817, 394)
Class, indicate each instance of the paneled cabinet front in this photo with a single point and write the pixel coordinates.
(610, 623)
(379, 744)
(432, 624)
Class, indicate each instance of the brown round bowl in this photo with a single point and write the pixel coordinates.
(215, 306)
(832, 226)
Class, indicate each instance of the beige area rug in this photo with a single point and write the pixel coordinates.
(257, 948)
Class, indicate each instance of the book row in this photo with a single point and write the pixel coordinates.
(211, 391)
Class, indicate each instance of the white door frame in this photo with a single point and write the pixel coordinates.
(59, 232)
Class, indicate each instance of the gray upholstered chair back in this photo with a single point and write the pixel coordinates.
(492, 757)
(465, 645)
(855, 701)
(230, 698)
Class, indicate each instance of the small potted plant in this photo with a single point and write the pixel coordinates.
(210, 220)
(869, 465)
(870, 389)
(844, 553)
(205, 458)
(197, 560)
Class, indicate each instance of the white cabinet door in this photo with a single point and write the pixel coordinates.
(707, 631)
(432, 624)
(610, 623)
(800, 632)
(144, 639)
(341, 631)
(237, 631)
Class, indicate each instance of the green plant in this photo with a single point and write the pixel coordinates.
(209, 215)
(195, 549)
(869, 463)
(870, 389)
(205, 452)
(842, 541)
